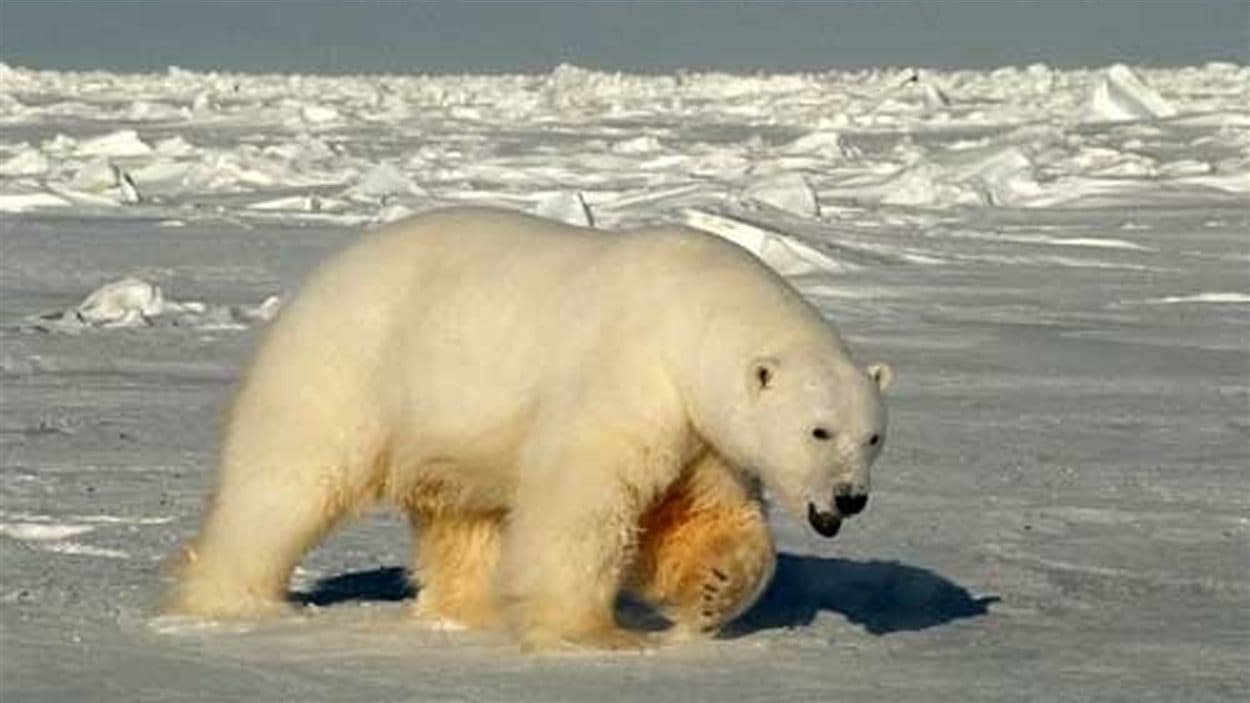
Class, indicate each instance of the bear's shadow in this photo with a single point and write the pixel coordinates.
(880, 596)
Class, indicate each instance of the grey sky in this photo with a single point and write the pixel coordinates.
(366, 36)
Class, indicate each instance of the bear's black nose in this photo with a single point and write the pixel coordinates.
(850, 504)
(826, 524)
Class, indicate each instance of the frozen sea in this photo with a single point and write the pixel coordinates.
(1056, 264)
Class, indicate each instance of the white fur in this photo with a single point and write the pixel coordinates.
(531, 388)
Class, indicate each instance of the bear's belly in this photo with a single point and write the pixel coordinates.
(433, 485)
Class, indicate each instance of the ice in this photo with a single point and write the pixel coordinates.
(318, 113)
(394, 213)
(890, 136)
(300, 203)
(21, 202)
(1053, 260)
(175, 146)
(1121, 95)
(784, 254)
(96, 175)
(1218, 298)
(646, 144)
(570, 207)
(384, 180)
(86, 550)
(819, 143)
(41, 532)
(992, 175)
(934, 98)
(54, 538)
(102, 177)
(123, 303)
(133, 302)
(125, 142)
(1003, 178)
(789, 192)
(27, 162)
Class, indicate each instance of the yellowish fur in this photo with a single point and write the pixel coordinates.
(456, 559)
(705, 550)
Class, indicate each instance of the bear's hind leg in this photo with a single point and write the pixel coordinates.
(256, 532)
(455, 561)
(705, 552)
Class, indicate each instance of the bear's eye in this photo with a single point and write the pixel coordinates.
(821, 434)
(874, 440)
(763, 375)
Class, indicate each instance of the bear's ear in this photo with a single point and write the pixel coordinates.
(881, 374)
(761, 374)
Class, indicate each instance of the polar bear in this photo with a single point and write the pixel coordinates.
(562, 413)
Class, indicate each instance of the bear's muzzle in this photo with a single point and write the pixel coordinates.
(825, 523)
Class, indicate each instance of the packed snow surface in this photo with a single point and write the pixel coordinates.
(1056, 264)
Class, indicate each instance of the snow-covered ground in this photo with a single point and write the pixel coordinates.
(1056, 263)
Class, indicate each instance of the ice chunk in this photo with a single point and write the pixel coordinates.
(121, 143)
(1042, 76)
(381, 181)
(300, 203)
(919, 185)
(266, 311)
(52, 537)
(789, 192)
(934, 98)
(991, 175)
(41, 532)
(22, 202)
(1221, 298)
(103, 178)
(318, 114)
(123, 303)
(1121, 95)
(819, 143)
(104, 199)
(28, 162)
(147, 111)
(133, 302)
(1004, 178)
(393, 213)
(59, 145)
(175, 146)
(785, 255)
(95, 176)
(162, 172)
(203, 103)
(128, 192)
(645, 144)
(85, 550)
(566, 206)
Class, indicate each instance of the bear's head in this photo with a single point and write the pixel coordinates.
(810, 424)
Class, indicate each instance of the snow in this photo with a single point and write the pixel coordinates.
(1054, 262)
(38, 532)
(1203, 298)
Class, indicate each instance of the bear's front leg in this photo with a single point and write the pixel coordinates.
(567, 543)
(705, 553)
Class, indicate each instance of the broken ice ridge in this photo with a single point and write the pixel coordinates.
(133, 302)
